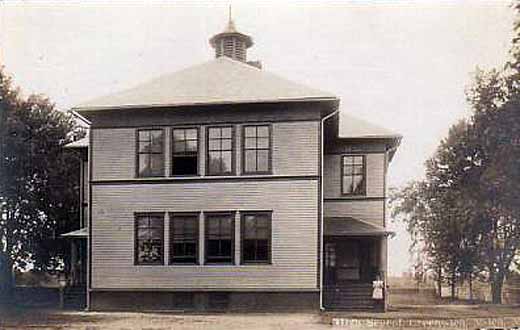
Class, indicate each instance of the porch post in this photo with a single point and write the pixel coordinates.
(383, 267)
(73, 262)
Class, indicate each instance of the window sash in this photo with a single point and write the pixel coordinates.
(183, 237)
(256, 149)
(251, 225)
(220, 237)
(185, 147)
(220, 146)
(353, 176)
(150, 153)
(149, 224)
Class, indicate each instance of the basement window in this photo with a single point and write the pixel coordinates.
(185, 151)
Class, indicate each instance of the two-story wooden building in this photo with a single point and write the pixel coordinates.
(225, 186)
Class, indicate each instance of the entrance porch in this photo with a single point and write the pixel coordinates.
(354, 256)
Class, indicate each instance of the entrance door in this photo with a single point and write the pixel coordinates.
(349, 260)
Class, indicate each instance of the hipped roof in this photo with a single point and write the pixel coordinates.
(349, 226)
(220, 81)
(351, 127)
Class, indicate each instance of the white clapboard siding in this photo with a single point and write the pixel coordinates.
(294, 234)
(366, 210)
(375, 174)
(295, 150)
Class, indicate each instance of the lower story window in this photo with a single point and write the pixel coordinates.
(149, 238)
(256, 237)
(220, 238)
(184, 238)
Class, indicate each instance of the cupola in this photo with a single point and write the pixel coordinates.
(231, 43)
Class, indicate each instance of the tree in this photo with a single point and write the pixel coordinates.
(38, 183)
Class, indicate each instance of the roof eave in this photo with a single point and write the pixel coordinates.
(84, 109)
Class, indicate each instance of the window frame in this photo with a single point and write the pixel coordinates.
(233, 150)
(136, 238)
(269, 149)
(137, 153)
(363, 191)
(172, 150)
(208, 215)
(172, 216)
(242, 237)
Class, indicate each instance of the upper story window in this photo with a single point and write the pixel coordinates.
(149, 239)
(150, 153)
(220, 238)
(220, 151)
(184, 238)
(257, 149)
(185, 151)
(256, 237)
(353, 172)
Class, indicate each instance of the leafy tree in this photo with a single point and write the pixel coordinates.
(38, 183)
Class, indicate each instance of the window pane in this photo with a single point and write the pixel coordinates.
(179, 147)
(191, 134)
(263, 161)
(358, 170)
(250, 131)
(214, 145)
(256, 238)
(250, 143)
(144, 168)
(347, 184)
(142, 222)
(149, 252)
(226, 162)
(185, 165)
(144, 146)
(157, 163)
(191, 146)
(214, 133)
(144, 136)
(263, 131)
(263, 143)
(226, 132)
(178, 134)
(214, 162)
(157, 140)
(248, 251)
(226, 145)
(348, 170)
(262, 250)
(250, 161)
(357, 184)
(225, 247)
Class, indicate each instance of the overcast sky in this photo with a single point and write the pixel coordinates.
(403, 65)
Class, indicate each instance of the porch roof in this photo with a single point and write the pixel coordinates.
(349, 226)
(80, 233)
